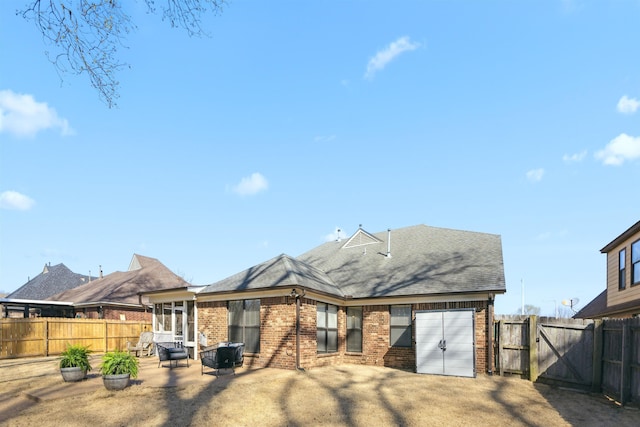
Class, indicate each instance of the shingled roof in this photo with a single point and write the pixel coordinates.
(144, 275)
(52, 280)
(281, 271)
(417, 260)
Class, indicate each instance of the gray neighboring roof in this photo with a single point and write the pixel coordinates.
(424, 261)
(144, 275)
(53, 279)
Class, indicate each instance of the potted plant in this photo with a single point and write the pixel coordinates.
(74, 362)
(117, 368)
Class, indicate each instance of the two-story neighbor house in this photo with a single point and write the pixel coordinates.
(418, 298)
(621, 298)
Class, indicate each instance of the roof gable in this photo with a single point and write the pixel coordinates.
(361, 238)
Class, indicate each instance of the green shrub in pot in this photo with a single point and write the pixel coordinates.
(118, 363)
(75, 356)
(74, 362)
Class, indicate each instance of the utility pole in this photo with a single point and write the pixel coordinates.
(522, 307)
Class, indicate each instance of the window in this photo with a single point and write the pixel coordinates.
(191, 327)
(244, 324)
(354, 329)
(166, 318)
(622, 279)
(635, 262)
(400, 326)
(327, 325)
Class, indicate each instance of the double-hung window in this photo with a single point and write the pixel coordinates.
(244, 324)
(622, 271)
(400, 326)
(327, 326)
(354, 329)
(635, 262)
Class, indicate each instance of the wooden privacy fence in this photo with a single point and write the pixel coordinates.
(50, 336)
(601, 355)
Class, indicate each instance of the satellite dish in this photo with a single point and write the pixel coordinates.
(571, 303)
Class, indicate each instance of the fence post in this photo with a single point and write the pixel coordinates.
(625, 366)
(598, 336)
(46, 337)
(106, 336)
(533, 348)
(500, 348)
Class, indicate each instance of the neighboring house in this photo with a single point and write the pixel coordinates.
(621, 298)
(26, 301)
(397, 298)
(117, 295)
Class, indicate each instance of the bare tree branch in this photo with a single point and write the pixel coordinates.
(84, 35)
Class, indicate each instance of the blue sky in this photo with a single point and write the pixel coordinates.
(293, 119)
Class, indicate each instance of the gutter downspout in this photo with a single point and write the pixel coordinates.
(298, 333)
(490, 331)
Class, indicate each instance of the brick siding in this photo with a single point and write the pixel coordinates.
(278, 334)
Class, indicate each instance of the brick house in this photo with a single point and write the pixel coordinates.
(367, 300)
(621, 297)
(117, 295)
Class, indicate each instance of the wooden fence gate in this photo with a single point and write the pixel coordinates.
(601, 355)
(565, 352)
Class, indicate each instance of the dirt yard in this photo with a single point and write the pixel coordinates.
(34, 394)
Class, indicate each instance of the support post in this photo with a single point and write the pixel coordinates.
(596, 379)
(500, 347)
(46, 337)
(533, 348)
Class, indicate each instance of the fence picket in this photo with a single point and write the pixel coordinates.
(50, 336)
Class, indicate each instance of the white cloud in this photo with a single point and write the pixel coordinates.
(628, 105)
(622, 147)
(321, 138)
(388, 54)
(22, 116)
(15, 201)
(575, 158)
(251, 185)
(535, 175)
(336, 235)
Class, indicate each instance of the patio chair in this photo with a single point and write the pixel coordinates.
(173, 352)
(144, 344)
(219, 357)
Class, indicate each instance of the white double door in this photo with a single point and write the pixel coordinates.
(445, 342)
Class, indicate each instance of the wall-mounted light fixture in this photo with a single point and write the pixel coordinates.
(294, 294)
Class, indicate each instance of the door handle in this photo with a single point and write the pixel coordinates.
(442, 345)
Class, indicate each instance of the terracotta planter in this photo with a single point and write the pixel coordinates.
(72, 374)
(115, 382)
